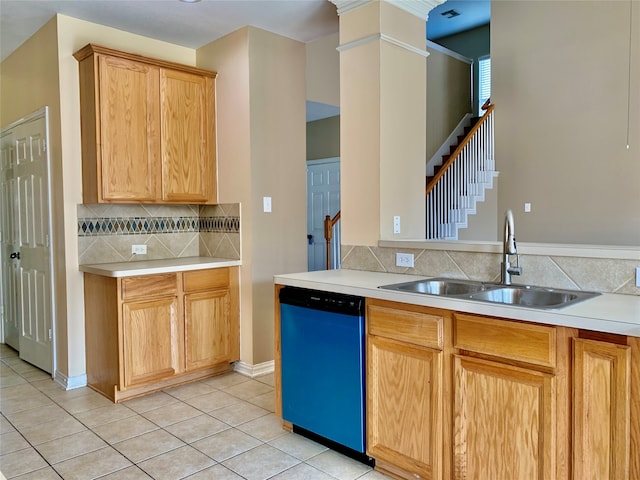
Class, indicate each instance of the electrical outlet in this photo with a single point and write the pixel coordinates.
(638, 277)
(396, 224)
(404, 260)
(138, 249)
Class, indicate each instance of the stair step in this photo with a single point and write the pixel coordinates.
(478, 181)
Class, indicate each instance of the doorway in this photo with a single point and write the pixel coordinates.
(26, 282)
(323, 198)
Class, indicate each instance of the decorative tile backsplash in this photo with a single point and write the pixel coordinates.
(553, 271)
(88, 227)
(107, 232)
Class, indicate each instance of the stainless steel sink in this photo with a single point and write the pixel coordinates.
(520, 295)
(448, 287)
(527, 296)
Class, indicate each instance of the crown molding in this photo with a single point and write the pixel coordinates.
(347, 5)
(384, 38)
(419, 8)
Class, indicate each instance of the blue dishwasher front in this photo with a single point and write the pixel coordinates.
(322, 351)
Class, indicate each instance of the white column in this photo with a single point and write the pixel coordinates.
(383, 118)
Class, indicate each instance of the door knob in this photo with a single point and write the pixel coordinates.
(15, 255)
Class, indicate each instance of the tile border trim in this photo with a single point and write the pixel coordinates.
(107, 226)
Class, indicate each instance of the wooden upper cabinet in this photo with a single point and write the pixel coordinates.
(188, 142)
(148, 129)
(127, 132)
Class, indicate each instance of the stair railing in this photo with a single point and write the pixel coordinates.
(444, 191)
(329, 225)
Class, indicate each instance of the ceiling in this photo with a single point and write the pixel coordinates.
(471, 14)
(187, 24)
(196, 24)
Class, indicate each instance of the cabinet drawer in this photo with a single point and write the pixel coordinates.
(205, 279)
(409, 324)
(149, 286)
(535, 344)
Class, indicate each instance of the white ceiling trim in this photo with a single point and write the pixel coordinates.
(419, 8)
(344, 6)
(439, 48)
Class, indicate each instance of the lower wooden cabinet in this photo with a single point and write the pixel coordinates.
(149, 332)
(504, 421)
(404, 389)
(511, 394)
(211, 320)
(601, 410)
(152, 341)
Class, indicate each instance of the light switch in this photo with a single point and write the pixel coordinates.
(396, 224)
(266, 204)
(527, 207)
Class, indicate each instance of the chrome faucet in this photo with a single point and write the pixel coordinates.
(509, 248)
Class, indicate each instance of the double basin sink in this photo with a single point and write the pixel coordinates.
(518, 295)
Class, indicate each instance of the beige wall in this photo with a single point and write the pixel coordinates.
(562, 116)
(230, 57)
(323, 70)
(261, 103)
(74, 34)
(278, 143)
(323, 138)
(29, 80)
(448, 96)
(43, 72)
(261, 156)
(473, 44)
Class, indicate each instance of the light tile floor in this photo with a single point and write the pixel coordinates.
(220, 428)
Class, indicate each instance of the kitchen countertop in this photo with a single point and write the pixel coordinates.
(148, 267)
(609, 312)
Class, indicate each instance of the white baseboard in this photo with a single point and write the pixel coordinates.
(69, 383)
(253, 371)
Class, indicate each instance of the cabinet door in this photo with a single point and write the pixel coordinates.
(403, 405)
(503, 422)
(601, 397)
(152, 339)
(209, 336)
(128, 131)
(188, 149)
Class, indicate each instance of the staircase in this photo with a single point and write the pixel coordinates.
(453, 142)
(458, 180)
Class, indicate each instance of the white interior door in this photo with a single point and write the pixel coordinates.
(26, 246)
(323, 198)
(9, 243)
